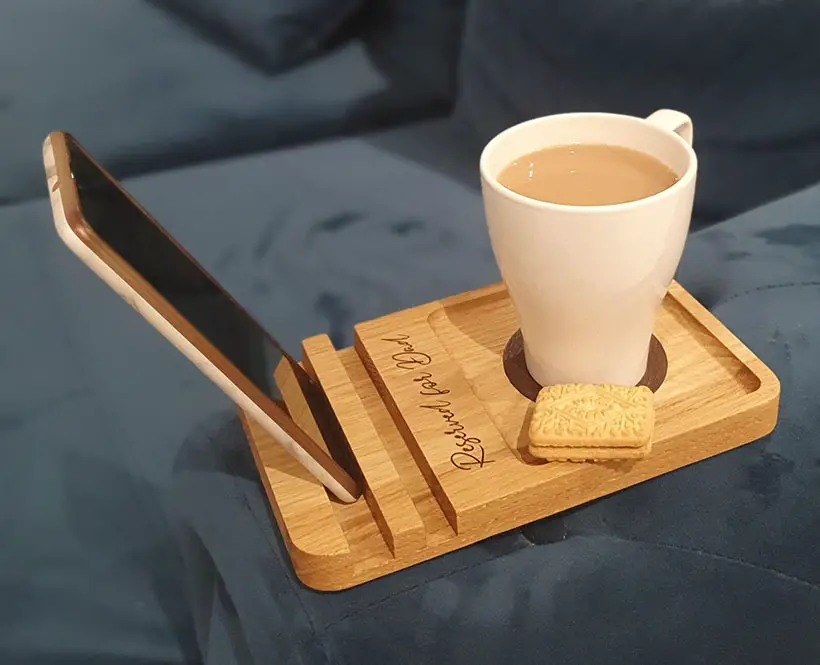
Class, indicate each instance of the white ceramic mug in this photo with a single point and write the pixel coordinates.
(587, 281)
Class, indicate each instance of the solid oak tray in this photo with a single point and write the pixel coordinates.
(439, 432)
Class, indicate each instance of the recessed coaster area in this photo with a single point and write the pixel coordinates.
(515, 367)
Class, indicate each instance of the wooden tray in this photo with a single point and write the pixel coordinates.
(439, 433)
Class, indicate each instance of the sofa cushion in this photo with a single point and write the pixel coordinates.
(108, 432)
(588, 601)
(89, 566)
(120, 429)
(723, 550)
(271, 33)
(147, 93)
(420, 39)
(744, 71)
(126, 471)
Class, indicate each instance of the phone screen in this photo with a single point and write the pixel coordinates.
(143, 244)
(187, 287)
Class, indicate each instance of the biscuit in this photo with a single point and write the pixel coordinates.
(588, 417)
(591, 454)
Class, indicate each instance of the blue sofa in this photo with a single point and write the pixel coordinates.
(134, 527)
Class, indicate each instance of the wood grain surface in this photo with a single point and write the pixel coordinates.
(440, 434)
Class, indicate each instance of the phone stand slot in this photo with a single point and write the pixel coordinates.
(392, 507)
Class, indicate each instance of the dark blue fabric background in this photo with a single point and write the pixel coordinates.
(134, 520)
(133, 528)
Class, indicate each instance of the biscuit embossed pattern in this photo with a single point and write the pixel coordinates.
(610, 413)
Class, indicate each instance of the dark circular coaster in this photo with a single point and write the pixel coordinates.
(516, 368)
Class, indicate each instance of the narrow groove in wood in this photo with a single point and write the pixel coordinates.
(298, 499)
(410, 441)
(394, 511)
(449, 425)
(435, 522)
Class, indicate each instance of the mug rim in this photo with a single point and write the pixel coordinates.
(492, 181)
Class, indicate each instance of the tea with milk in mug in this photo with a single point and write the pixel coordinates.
(587, 175)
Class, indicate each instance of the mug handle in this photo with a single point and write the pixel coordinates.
(674, 121)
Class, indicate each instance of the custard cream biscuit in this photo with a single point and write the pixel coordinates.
(578, 416)
(596, 454)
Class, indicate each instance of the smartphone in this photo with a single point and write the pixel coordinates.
(125, 246)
